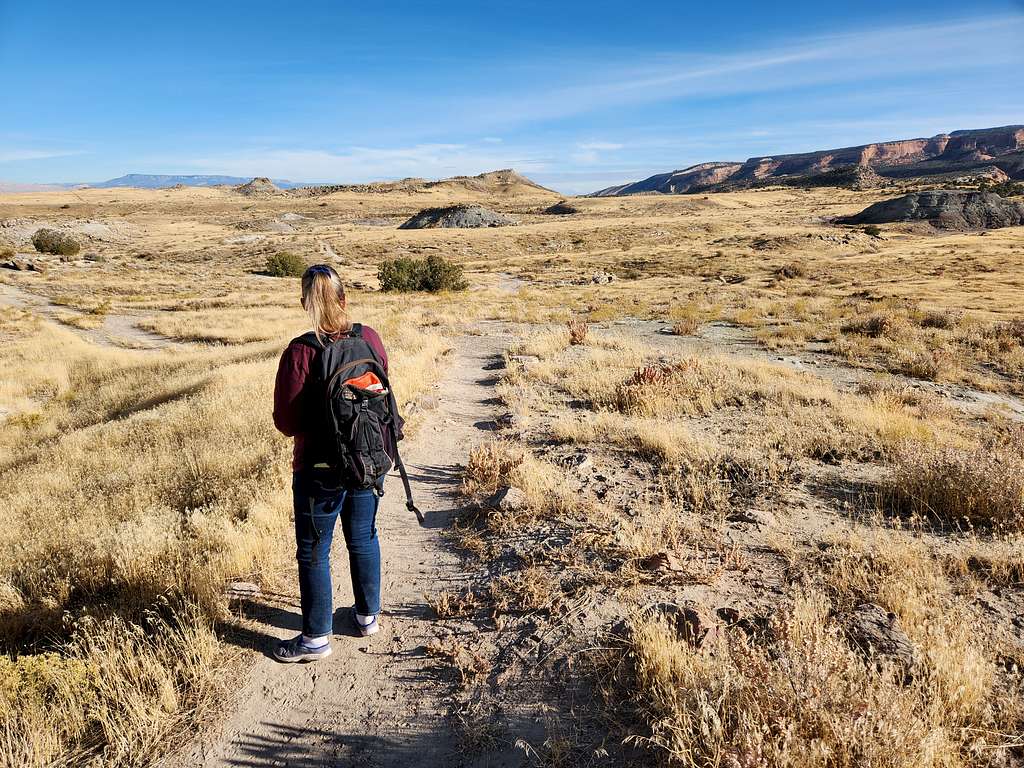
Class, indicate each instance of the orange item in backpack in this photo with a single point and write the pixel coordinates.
(368, 382)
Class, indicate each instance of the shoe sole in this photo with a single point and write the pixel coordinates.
(303, 657)
(373, 629)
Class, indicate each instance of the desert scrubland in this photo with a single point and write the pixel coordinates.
(754, 494)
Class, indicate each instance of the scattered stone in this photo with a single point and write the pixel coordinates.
(693, 624)
(243, 589)
(24, 265)
(459, 216)
(663, 562)
(510, 499)
(292, 217)
(755, 626)
(580, 461)
(946, 209)
(602, 278)
(759, 517)
(562, 208)
(877, 633)
(523, 359)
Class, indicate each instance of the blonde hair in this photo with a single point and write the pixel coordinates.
(323, 298)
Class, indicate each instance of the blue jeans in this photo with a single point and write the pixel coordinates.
(316, 513)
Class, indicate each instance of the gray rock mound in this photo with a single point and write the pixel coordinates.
(261, 185)
(562, 208)
(946, 209)
(463, 216)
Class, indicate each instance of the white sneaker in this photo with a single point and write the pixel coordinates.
(366, 629)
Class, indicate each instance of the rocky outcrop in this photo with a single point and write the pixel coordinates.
(505, 182)
(960, 152)
(693, 179)
(947, 209)
(462, 216)
(561, 208)
(258, 187)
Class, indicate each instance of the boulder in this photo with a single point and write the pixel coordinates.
(878, 635)
(946, 209)
(509, 499)
(602, 278)
(458, 216)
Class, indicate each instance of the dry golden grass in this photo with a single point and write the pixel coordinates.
(154, 462)
(135, 486)
(979, 486)
(809, 699)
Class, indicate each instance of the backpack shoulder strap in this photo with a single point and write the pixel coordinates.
(357, 330)
(310, 340)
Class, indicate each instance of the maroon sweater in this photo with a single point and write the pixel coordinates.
(291, 392)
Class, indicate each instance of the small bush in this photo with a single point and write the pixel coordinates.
(941, 319)
(791, 270)
(285, 264)
(873, 230)
(982, 487)
(686, 326)
(57, 243)
(433, 274)
(577, 331)
(6, 251)
(876, 325)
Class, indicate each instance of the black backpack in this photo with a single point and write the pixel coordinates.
(355, 441)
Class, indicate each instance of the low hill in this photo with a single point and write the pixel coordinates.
(503, 182)
(996, 153)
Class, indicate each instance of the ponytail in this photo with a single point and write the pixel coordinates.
(323, 298)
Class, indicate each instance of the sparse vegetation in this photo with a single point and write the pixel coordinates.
(433, 273)
(630, 469)
(981, 487)
(54, 242)
(285, 264)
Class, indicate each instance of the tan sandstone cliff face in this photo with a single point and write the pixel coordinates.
(939, 154)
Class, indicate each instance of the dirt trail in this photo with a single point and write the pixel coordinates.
(376, 701)
(117, 330)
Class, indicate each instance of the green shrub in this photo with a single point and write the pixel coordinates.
(285, 264)
(1002, 188)
(57, 243)
(434, 273)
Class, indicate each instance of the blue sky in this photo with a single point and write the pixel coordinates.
(577, 95)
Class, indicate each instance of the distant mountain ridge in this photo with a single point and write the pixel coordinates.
(996, 152)
(163, 181)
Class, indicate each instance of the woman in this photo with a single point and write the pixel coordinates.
(317, 510)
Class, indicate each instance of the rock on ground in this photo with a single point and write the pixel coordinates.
(462, 216)
(877, 633)
(947, 209)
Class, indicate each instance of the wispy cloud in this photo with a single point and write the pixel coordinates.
(887, 53)
(589, 152)
(22, 155)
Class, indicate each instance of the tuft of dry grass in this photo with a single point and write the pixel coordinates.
(805, 699)
(577, 331)
(981, 486)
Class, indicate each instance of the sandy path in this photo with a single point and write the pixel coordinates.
(374, 702)
(117, 330)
